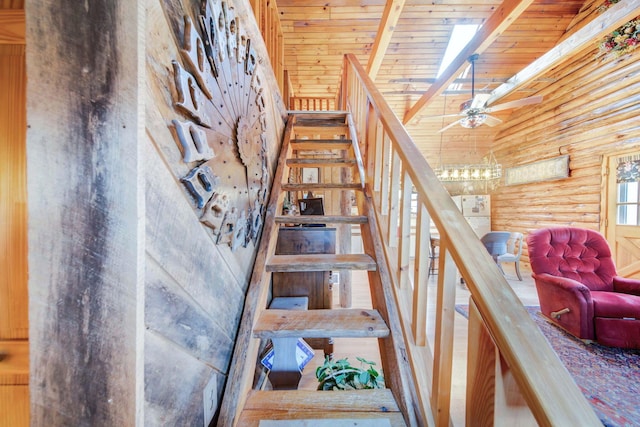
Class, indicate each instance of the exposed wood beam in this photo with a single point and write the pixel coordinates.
(390, 16)
(481, 80)
(586, 37)
(12, 26)
(500, 20)
(446, 92)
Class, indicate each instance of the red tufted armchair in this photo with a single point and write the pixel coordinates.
(579, 289)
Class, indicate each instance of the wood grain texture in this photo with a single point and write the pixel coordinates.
(12, 26)
(377, 400)
(481, 372)
(14, 366)
(320, 262)
(336, 323)
(14, 323)
(321, 219)
(14, 405)
(247, 347)
(84, 211)
(185, 250)
(203, 333)
(495, 299)
(583, 118)
(165, 403)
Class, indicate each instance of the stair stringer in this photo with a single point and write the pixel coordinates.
(240, 380)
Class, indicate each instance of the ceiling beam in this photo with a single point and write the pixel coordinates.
(12, 26)
(586, 37)
(481, 80)
(388, 22)
(499, 21)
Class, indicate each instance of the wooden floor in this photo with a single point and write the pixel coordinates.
(368, 349)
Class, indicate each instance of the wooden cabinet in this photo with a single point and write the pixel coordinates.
(315, 285)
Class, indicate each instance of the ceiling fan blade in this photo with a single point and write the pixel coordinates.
(492, 121)
(452, 124)
(515, 104)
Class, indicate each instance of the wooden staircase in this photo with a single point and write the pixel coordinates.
(318, 140)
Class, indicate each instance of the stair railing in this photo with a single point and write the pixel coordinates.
(506, 350)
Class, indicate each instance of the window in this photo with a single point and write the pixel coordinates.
(460, 37)
(628, 200)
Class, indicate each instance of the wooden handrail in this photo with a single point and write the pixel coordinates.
(547, 387)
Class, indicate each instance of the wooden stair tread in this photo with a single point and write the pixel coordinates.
(332, 162)
(321, 405)
(324, 323)
(322, 186)
(280, 417)
(321, 219)
(320, 144)
(376, 400)
(315, 114)
(320, 262)
(320, 122)
(360, 421)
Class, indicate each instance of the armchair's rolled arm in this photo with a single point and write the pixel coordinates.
(626, 285)
(569, 286)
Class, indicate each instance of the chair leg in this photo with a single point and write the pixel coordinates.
(518, 270)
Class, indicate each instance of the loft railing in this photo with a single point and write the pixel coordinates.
(268, 20)
(306, 103)
(507, 354)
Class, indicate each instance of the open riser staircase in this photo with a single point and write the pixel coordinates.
(320, 141)
(385, 188)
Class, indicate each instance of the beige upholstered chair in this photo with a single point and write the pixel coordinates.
(514, 251)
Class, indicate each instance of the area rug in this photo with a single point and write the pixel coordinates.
(608, 377)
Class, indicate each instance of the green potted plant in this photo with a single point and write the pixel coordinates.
(341, 375)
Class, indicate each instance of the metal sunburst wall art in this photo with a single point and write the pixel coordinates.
(219, 90)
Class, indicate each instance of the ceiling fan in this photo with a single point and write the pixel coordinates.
(474, 111)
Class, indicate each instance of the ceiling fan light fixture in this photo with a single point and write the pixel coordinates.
(472, 121)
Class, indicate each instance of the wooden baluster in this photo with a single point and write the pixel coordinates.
(377, 168)
(443, 348)
(344, 231)
(384, 174)
(394, 200)
(421, 275)
(372, 142)
(481, 371)
(404, 245)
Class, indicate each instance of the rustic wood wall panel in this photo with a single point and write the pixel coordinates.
(170, 311)
(590, 109)
(164, 405)
(84, 117)
(195, 283)
(114, 227)
(177, 241)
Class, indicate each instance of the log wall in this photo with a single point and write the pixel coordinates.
(14, 322)
(134, 300)
(589, 110)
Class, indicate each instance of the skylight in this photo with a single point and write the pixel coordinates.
(460, 37)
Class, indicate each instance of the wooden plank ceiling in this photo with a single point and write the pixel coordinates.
(317, 33)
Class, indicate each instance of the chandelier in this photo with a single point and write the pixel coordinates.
(487, 172)
(470, 172)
